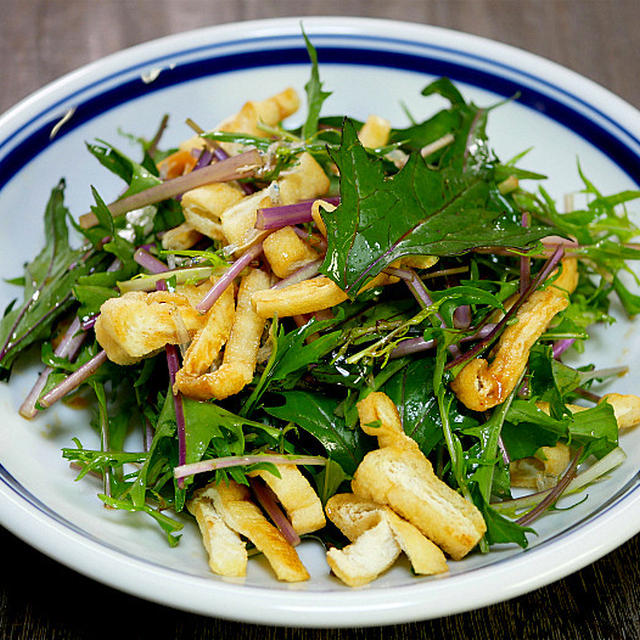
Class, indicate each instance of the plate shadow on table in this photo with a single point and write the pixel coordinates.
(43, 599)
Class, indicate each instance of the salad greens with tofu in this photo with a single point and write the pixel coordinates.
(257, 291)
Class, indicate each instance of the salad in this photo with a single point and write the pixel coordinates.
(343, 330)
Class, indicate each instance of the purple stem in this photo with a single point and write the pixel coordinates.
(149, 262)
(74, 380)
(416, 345)
(416, 286)
(303, 273)
(267, 500)
(287, 215)
(228, 277)
(67, 348)
(560, 346)
(525, 262)
(554, 494)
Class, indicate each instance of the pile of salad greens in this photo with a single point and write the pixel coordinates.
(437, 189)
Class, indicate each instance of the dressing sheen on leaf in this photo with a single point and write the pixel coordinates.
(417, 211)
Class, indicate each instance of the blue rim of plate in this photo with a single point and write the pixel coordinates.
(551, 100)
(262, 55)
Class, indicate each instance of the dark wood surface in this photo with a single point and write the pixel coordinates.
(39, 41)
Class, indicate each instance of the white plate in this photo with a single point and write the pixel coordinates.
(372, 67)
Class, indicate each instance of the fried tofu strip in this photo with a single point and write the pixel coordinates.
(234, 505)
(296, 495)
(138, 324)
(400, 476)
(480, 385)
(307, 296)
(204, 206)
(354, 516)
(240, 354)
(270, 112)
(304, 181)
(286, 252)
(364, 560)
(625, 407)
(542, 470)
(374, 132)
(212, 337)
(184, 236)
(227, 551)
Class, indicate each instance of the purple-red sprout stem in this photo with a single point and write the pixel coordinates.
(74, 380)
(267, 500)
(149, 262)
(554, 494)
(560, 346)
(287, 215)
(234, 168)
(525, 261)
(228, 277)
(205, 466)
(305, 272)
(67, 348)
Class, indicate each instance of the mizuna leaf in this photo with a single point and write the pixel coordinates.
(418, 211)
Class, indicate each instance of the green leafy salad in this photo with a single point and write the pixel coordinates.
(410, 262)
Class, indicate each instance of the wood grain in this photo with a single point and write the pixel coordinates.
(41, 40)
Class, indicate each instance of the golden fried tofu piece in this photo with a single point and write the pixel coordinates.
(367, 557)
(354, 516)
(138, 324)
(374, 132)
(184, 236)
(626, 408)
(270, 112)
(239, 220)
(227, 551)
(241, 351)
(297, 496)
(400, 476)
(304, 181)
(542, 470)
(308, 296)
(212, 337)
(480, 385)
(233, 502)
(286, 252)
(203, 207)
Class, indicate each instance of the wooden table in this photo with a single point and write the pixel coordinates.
(41, 40)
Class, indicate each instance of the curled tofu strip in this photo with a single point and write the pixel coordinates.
(297, 496)
(304, 181)
(286, 252)
(138, 324)
(480, 385)
(203, 207)
(355, 517)
(227, 551)
(374, 132)
(542, 470)
(240, 353)
(212, 337)
(233, 502)
(308, 296)
(398, 475)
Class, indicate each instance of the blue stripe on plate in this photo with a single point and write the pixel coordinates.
(609, 144)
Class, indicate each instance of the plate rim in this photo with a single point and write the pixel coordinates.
(346, 606)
